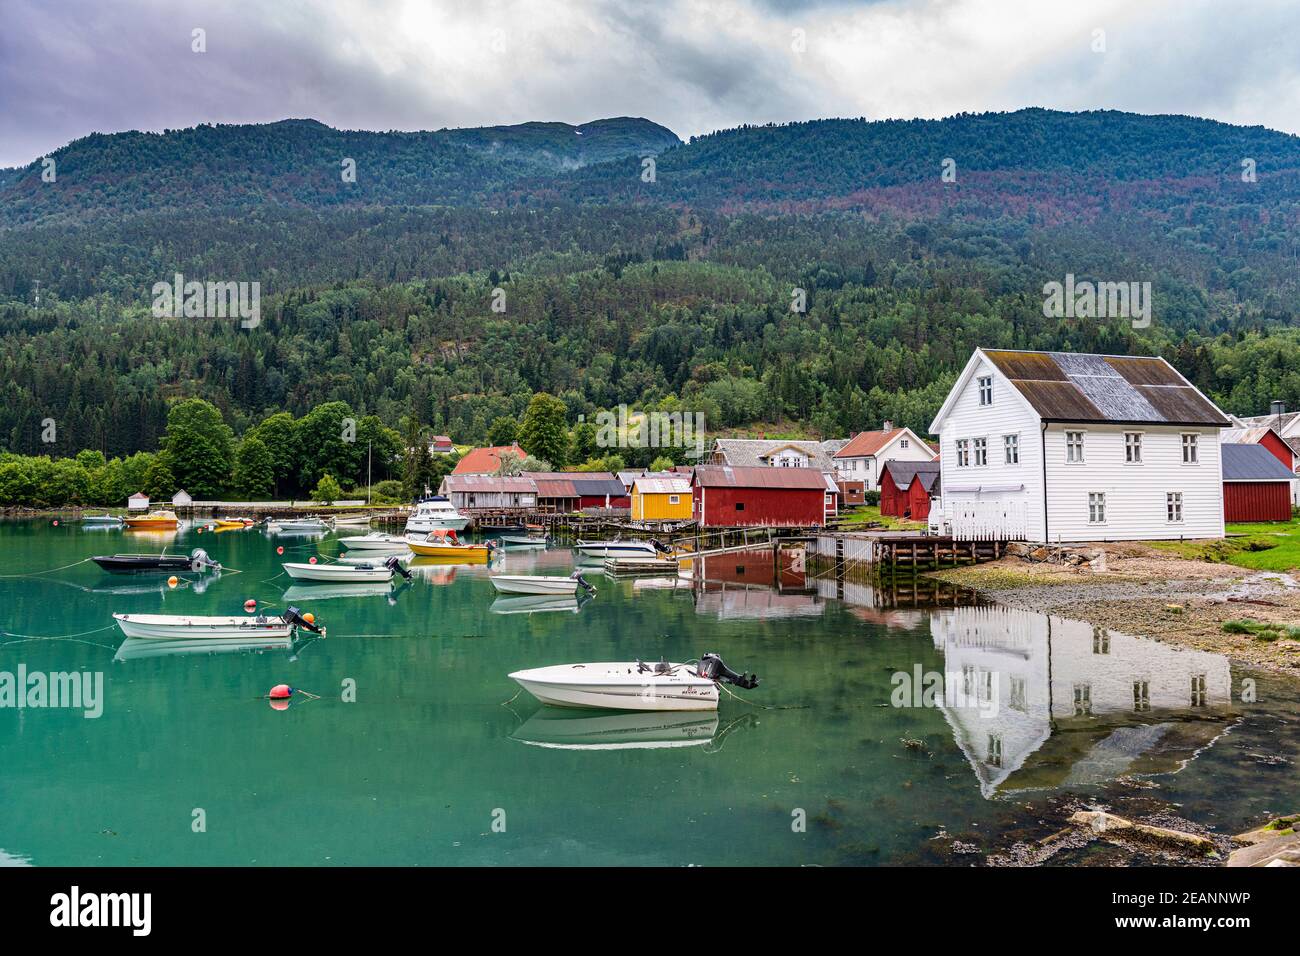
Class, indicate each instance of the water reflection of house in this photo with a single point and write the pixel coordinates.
(744, 584)
(1053, 702)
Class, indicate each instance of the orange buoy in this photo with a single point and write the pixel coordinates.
(250, 605)
(280, 692)
(280, 550)
(309, 617)
(173, 581)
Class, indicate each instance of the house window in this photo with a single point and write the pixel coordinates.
(1133, 448)
(1198, 690)
(1141, 696)
(981, 451)
(963, 452)
(1074, 446)
(903, 443)
(1082, 700)
(1174, 506)
(1096, 507)
(986, 389)
(674, 499)
(1189, 450)
(1011, 449)
(740, 506)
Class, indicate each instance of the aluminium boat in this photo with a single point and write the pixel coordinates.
(632, 685)
(161, 627)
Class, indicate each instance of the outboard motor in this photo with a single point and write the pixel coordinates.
(199, 560)
(392, 564)
(660, 546)
(712, 667)
(577, 576)
(293, 616)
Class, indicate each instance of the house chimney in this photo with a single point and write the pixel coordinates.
(888, 425)
(1278, 409)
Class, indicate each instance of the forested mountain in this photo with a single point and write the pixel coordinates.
(673, 293)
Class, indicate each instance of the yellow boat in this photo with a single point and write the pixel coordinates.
(227, 524)
(445, 549)
(154, 520)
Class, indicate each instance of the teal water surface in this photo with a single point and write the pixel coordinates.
(440, 760)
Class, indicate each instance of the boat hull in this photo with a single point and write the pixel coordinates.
(618, 686)
(152, 523)
(209, 629)
(616, 549)
(328, 573)
(533, 584)
(143, 564)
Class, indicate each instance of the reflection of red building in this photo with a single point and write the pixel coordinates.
(906, 488)
(727, 497)
(755, 567)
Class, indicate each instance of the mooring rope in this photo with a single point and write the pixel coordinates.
(32, 574)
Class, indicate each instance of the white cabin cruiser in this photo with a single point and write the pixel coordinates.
(540, 583)
(632, 685)
(215, 629)
(435, 514)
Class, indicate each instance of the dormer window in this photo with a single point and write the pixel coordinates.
(986, 389)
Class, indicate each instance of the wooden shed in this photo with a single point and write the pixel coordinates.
(661, 499)
(1256, 486)
(726, 497)
(906, 488)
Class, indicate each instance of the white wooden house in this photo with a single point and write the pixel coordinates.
(1056, 446)
(138, 502)
(863, 457)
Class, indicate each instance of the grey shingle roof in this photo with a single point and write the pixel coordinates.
(1252, 463)
(749, 452)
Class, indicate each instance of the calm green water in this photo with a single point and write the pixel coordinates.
(417, 769)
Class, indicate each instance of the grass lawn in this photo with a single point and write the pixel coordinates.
(851, 520)
(1269, 546)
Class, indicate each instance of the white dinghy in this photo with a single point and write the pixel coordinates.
(540, 583)
(350, 573)
(632, 685)
(241, 630)
(375, 541)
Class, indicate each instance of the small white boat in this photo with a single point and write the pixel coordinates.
(215, 629)
(311, 523)
(375, 541)
(632, 685)
(352, 521)
(329, 573)
(617, 549)
(523, 541)
(101, 521)
(540, 583)
(435, 514)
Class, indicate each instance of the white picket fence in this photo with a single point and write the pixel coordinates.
(991, 520)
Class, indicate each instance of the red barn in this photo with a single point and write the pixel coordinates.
(1256, 486)
(727, 497)
(906, 488)
(1265, 436)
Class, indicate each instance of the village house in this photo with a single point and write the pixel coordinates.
(441, 445)
(492, 492)
(485, 461)
(906, 488)
(1055, 446)
(862, 458)
(763, 496)
(1256, 486)
(661, 499)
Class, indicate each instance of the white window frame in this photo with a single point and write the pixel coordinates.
(1071, 445)
(1133, 448)
(904, 443)
(980, 452)
(1096, 506)
(1011, 449)
(963, 452)
(674, 499)
(1174, 507)
(985, 385)
(1191, 443)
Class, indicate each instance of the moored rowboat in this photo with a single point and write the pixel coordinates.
(539, 583)
(345, 572)
(243, 629)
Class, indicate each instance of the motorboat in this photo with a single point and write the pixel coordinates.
(330, 573)
(620, 549)
(566, 729)
(375, 541)
(196, 561)
(230, 524)
(435, 514)
(101, 521)
(540, 583)
(352, 521)
(161, 627)
(446, 547)
(537, 603)
(309, 523)
(633, 685)
(154, 520)
(524, 541)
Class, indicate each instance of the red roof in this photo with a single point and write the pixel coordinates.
(484, 461)
(726, 476)
(868, 443)
(441, 440)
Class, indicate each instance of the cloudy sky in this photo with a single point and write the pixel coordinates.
(70, 67)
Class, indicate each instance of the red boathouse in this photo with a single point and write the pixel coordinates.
(727, 497)
(906, 488)
(1256, 486)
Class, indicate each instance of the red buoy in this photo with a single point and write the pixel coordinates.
(250, 605)
(280, 550)
(312, 559)
(281, 692)
(56, 522)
